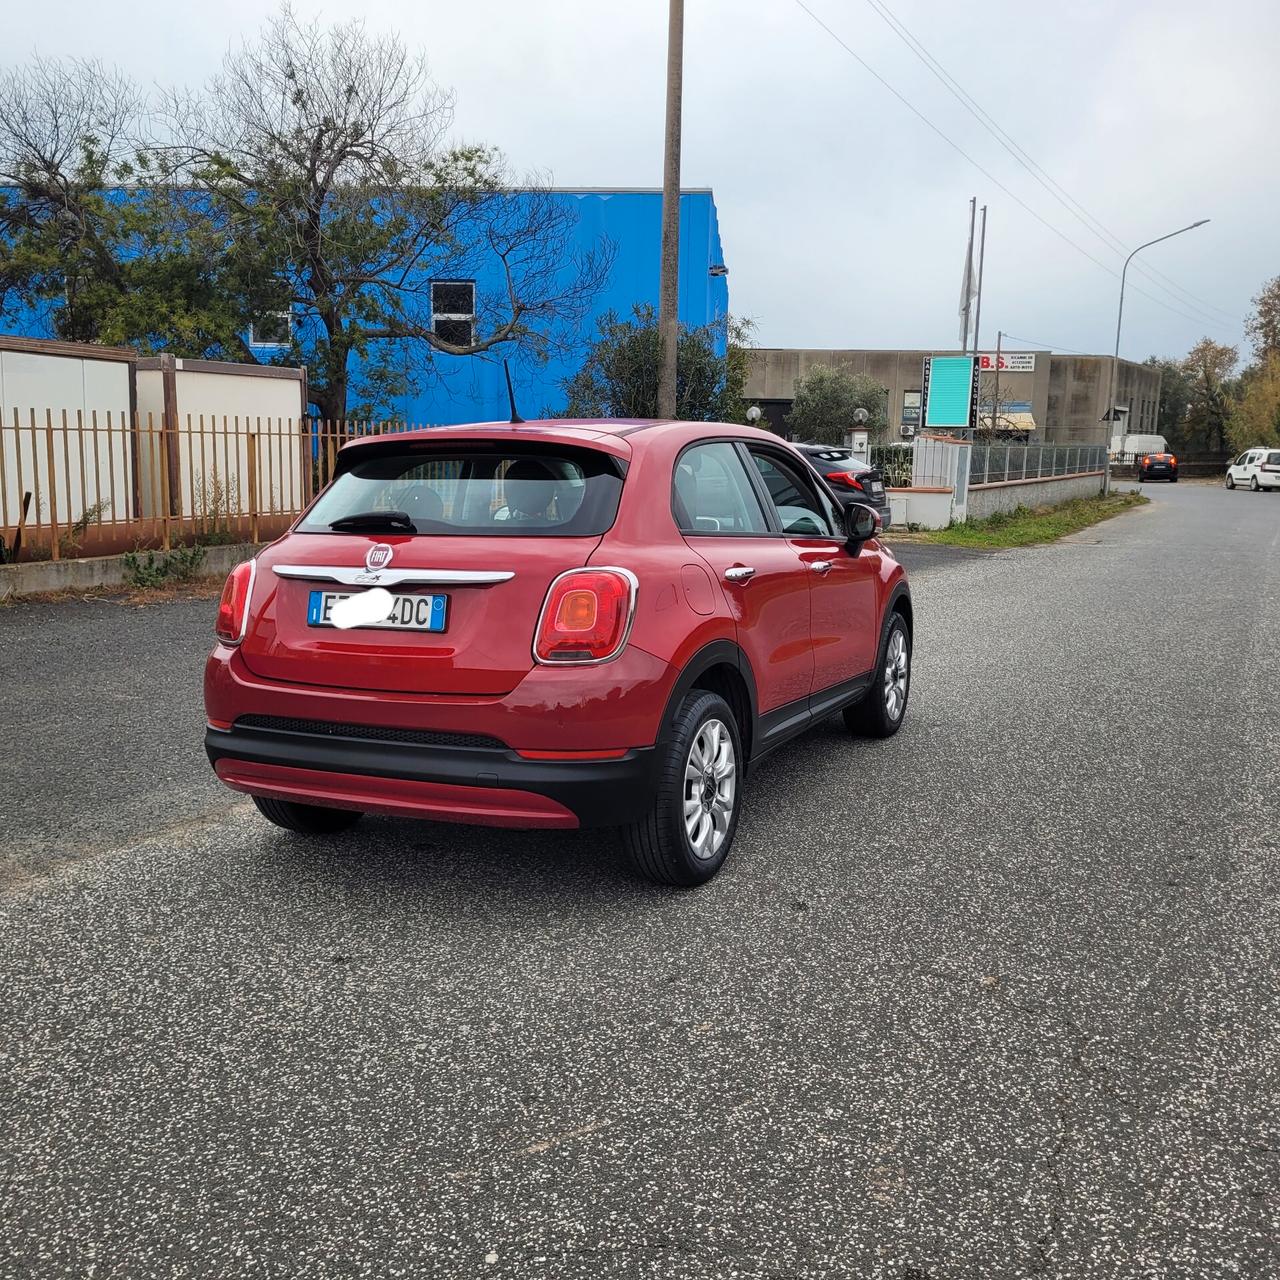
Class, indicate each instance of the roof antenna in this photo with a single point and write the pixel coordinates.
(511, 395)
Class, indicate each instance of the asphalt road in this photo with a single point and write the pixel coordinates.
(995, 998)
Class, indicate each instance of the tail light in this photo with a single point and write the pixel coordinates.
(233, 608)
(846, 478)
(586, 616)
(1173, 461)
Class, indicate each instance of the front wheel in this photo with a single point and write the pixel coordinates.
(1231, 484)
(686, 835)
(879, 713)
(306, 819)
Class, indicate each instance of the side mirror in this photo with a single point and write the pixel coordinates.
(861, 522)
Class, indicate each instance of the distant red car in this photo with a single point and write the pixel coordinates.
(583, 624)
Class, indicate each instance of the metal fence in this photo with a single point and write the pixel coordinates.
(75, 484)
(1001, 463)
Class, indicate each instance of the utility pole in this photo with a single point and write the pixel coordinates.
(669, 285)
(995, 399)
(966, 289)
(982, 257)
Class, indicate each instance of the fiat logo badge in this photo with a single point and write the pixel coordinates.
(378, 557)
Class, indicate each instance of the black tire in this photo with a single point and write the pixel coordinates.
(1231, 484)
(1141, 480)
(658, 846)
(1254, 486)
(875, 714)
(1173, 479)
(306, 819)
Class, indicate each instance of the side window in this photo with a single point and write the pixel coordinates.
(1242, 459)
(711, 492)
(800, 509)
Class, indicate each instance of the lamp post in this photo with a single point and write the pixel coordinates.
(1115, 359)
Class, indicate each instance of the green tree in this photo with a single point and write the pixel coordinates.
(1255, 415)
(1177, 390)
(1210, 366)
(827, 397)
(97, 264)
(619, 377)
(1263, 323)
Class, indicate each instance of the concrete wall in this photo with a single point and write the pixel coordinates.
(42, 576)
(988, 499)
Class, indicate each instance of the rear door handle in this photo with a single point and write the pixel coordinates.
(821, 566)
(739, 573)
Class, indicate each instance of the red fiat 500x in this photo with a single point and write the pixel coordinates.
(578, 624)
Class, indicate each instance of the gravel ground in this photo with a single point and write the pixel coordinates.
(995, 998)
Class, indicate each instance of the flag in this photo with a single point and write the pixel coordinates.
(967, 292)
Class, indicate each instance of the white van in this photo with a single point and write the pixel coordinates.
(1257, 468)
(1127, 448)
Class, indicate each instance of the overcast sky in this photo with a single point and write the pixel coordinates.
(843, 215)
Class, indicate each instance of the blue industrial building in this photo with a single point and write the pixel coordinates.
(473, 388)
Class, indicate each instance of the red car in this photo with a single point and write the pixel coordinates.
(580, 623)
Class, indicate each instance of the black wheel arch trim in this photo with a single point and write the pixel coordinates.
(715, 654)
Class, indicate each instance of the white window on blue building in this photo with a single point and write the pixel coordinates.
(453, 311)
(272, 329)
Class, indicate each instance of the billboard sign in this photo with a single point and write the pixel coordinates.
(950, 392)
(1010, 361)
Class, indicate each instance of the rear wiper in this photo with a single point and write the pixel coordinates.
(400, 520)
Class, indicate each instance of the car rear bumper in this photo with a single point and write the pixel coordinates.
(488, 786)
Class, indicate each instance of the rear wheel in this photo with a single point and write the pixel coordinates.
(686, 835)
(1253, 484)
(306, 819)
(879, 714)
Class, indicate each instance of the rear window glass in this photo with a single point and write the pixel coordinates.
(1273, 459)
(502, 492)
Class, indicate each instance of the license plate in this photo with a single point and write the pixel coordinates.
(408, 613)
(877, 490)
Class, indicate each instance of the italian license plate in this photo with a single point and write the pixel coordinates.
(408, 613)
(877, 489)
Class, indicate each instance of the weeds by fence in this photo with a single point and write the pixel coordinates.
(79, 484)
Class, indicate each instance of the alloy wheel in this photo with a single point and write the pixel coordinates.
(710, 788)
(897, 666)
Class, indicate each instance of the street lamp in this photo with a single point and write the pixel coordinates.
(1115, 359)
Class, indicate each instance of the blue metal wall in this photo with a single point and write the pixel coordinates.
(468, 389)
(471, 389)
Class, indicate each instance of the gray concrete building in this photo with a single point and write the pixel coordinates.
(1059, 398)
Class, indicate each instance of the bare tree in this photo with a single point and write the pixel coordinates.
(322, 155)
(64, 128)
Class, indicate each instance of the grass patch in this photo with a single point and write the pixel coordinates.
(1025, 527)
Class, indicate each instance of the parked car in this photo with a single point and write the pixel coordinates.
(1157, 466)
(850, 479)
(591, 623)
(1256, 468)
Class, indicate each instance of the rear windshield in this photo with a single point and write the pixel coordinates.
(1273, 459)
(503, 492)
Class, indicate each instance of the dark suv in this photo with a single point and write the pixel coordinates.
(850, 479)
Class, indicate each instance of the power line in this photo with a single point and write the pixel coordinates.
(955, 146)
(1055, 189)
(1050, 347)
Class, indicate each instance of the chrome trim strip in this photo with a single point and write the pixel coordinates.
(248, 602)
(357, 576)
